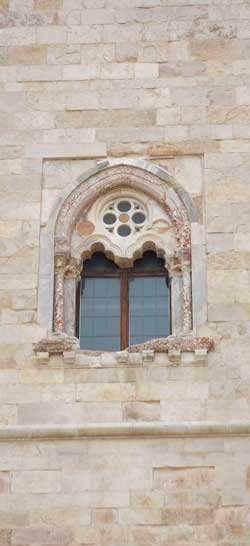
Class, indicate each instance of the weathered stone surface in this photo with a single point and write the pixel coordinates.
(167, 81)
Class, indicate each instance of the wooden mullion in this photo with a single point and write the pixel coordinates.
(77, 321)
(124, 311)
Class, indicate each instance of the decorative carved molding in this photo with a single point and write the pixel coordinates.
(73, 269)
(57, 343)
(114, 178)
(174, 344)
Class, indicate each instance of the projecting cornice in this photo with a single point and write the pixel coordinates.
(142, 429)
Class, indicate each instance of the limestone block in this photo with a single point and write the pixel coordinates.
(189, 96)
(176, 133)
(168, 116)
(147, 499)
(45, 535)
(8, 74)
(188, 516)
(99, 53)
(243, 95)
(8, 416)
(17, 36)
(183, 410)
(147, 134)
(70, 54)
(11, 519)
(117, 71)
(85, 34)
(146, 70)
(97, 149)
(89, 100)
(22, 333)
(86, 535)
(124, 99)
(45, 98)
(141, 411)
(36, 481)
(81, 72)
(32, 376)
(51, 34)
(4, 483)
(57, 136)
(105, 392)
(217, 242)
(126, 52)
(17, 317)
(70, 413)
(188, 172)
(38, 73)
(236, 146)
(104, 517)
(94, 3)
(225, 218)
(124, 33)
(241, 241)
(97, 16)
(27, 55)
(58, 393)
(153, 391)
(12, 101)
(101, 375)
(72, 514)
(154, 98)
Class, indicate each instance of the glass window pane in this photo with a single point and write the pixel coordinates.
(149, 262)
(100, 314)
(148, 309)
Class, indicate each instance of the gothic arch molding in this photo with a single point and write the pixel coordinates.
(152, 181)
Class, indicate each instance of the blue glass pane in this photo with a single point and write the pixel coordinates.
(148, 309)
(100, 314)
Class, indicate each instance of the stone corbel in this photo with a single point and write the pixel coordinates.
(57, 344)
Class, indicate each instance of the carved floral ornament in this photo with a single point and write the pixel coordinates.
(123, 210)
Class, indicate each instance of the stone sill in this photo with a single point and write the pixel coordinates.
(204, 429)
(182, 350)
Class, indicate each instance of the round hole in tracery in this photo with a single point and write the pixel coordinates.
(138, 217)
(124, 230)
(109, 218)
(124, 206)
(124, 217)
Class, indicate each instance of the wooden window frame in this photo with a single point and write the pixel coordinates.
(124, 275)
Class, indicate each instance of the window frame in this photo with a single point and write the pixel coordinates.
(124, 275)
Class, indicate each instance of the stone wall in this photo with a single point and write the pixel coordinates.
(168, 81)
(132, 492)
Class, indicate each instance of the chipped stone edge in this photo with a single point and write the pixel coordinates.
(141, 429)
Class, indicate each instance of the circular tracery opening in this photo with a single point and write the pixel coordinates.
(124, 216)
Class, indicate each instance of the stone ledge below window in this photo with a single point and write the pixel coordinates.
(181, 350)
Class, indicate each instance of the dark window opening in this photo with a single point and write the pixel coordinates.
(120, 307)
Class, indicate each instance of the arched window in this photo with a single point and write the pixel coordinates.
(127, 230)
(118, 307)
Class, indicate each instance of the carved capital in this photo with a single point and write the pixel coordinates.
(73, 269)
(61, 261)
(57, 343)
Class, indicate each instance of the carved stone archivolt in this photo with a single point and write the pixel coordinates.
(92, 218)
